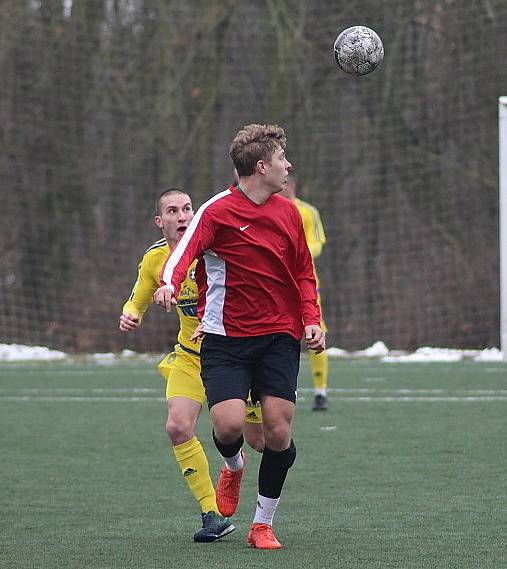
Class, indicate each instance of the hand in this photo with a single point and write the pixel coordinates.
(164, 297)
(198, 333)
(128, 322)
(315, 338)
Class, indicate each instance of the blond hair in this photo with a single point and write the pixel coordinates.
(255, 142)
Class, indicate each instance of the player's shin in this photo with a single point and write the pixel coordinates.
(272, 473)
(194, 466)
(319, 367)
(229, 481)
(231, 453)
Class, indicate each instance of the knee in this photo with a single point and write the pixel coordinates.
(228, 423)
(278, 436)
(227, 431)
(254, 436)
(179, 431)
(256, 442)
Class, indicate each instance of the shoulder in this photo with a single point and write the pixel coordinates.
(157, 245)
(282, 202)
(216, 202)
(284, 205)
(158, 250)
(305, 206)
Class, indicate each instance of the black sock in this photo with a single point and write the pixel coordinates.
(228, 450)
(273, 470)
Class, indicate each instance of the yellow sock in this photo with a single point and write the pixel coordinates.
(318, 365)
(194, 466)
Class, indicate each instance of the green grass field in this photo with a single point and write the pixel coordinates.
(407, 469)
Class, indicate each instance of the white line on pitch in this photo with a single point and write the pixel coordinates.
(83, 390)
(337, 390)
(409, 391)
(78, 398)
(65, 398)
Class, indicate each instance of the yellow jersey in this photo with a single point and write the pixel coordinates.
(148, 281)
(315, 238)
(312, 225)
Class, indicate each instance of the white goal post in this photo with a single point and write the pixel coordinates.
(502, 156)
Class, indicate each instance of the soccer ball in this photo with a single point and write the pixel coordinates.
(358, 50)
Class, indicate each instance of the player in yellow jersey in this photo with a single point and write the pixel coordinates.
(316, 239)
(182, 368)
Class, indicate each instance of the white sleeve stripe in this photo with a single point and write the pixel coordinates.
(180, 248)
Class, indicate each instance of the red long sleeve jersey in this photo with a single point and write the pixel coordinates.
(254, 274)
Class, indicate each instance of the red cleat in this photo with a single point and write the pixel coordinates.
(261, 536)
(228, 487)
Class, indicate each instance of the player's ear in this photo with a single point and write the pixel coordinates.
(158, 221)
(261, 166)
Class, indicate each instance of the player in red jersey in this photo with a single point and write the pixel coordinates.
(257, 297)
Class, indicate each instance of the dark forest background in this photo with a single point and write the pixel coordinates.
(103, 103)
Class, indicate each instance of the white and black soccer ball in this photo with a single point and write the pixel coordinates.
(358, 50)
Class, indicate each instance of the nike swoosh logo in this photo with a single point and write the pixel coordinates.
(243, 227)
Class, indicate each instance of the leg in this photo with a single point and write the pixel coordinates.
(277, 417)
(228, 420)
(185, 396)
(279, 455)
(188, 451)
(226, 376)
(319, 368)
(254, 436)
(277, 384)
(229, 482)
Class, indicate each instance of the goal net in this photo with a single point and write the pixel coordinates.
(105, 103)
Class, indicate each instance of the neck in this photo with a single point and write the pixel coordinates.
(288, 195)
(254, 191)
(171, 242)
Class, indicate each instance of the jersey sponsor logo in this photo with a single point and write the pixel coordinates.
(188, 307)
(243, 227)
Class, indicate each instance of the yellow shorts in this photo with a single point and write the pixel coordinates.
(182, 372)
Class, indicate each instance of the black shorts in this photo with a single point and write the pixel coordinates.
(265, 365)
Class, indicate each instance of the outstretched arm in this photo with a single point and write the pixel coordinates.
(142, 293)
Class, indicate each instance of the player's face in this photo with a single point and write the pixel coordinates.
(277, 170)
(176, 213)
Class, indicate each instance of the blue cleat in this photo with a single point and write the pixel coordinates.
(214, 527)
